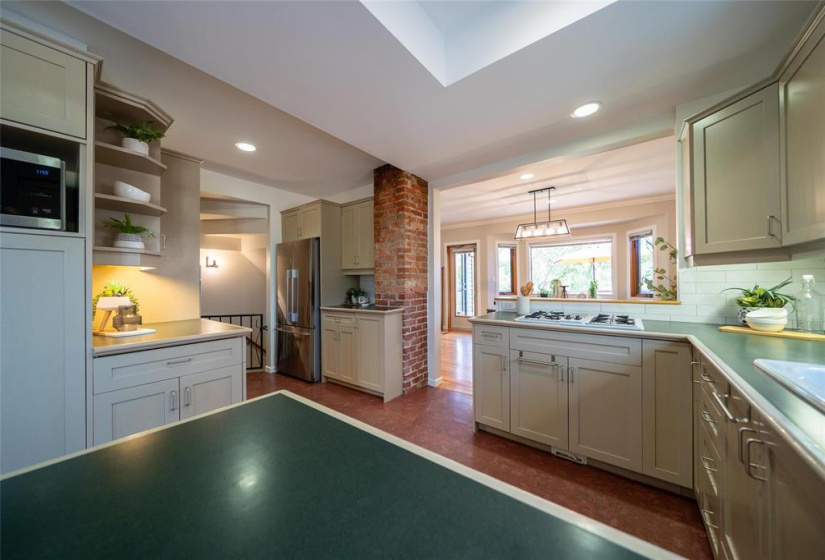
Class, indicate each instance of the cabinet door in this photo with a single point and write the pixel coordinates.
(42, 348)
(330, 361)
(802, 120)
(794, 509)
(366, 235)
(210, 390)
(41, 86)
(606, 412)
(349, 237)
(129, 411)
(736, 194)
(310, 222)
(348, 350)
(370, 362)
(538, 397)
(289, 226)
(491, 386)
(667, 411)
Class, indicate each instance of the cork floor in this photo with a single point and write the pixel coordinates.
(441, 421)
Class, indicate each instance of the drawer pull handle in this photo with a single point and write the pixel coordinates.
(491, 335)
(742, 432)
(535, 363)
(187, 396)
(178, 362)
(706, 513)
(748, 465)
(173, 400)
(707, 417)
(728, 414)
(705, 461)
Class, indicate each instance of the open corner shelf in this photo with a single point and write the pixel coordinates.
(120, 204)
(115, 256)
(117, 105)
(109, 154)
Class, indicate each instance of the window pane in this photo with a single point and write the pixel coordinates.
(575, 265)
(644, 261)
(464, 284)
(505, 270)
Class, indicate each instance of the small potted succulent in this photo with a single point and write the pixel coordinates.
(544, 293)
(760, 298)
(129, 236)
(593, 289)
(136, 137)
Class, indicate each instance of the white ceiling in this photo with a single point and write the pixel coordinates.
(643, 170)
(333, 65)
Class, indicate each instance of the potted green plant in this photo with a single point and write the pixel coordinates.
(593, 289)
(665, 290)
(136, 137)
(130, 236)
(544, 293)
(759, 298)
(354, 295)
(115, 289)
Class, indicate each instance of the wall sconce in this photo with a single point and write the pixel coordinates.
(213, 264)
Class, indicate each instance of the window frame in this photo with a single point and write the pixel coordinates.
(582, 240)
(513, 247)
(633, 290)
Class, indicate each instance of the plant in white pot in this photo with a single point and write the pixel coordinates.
(129, 236)
(760, 298)
(136, 137)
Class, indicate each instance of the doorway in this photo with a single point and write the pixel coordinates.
(463, 295)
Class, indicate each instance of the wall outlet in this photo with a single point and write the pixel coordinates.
(506, 305)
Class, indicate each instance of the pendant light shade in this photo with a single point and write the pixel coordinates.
(547, 228)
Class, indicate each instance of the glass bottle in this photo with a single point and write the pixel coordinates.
(809, 306)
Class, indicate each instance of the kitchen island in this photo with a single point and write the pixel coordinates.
(678, 403)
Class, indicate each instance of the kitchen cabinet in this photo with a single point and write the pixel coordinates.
(42, 86)
(140, 390)
(358, 236)
(736, 201)
(362, 349)
(130, 411)
(802, 139)
(491, 386)
(538, 397)
(606, 412)
(42, 348)
(667, 411)
(303, 222)
(290, 226)
(210, 390)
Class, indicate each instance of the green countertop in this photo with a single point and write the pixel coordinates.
(278, 477)
(735, 353)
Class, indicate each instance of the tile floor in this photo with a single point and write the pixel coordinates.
(441, 421)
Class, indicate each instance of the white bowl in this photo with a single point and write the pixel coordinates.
(767, 324)
(768, 313)
(125, 190)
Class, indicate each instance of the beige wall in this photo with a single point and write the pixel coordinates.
(237, 286)
(607, 220)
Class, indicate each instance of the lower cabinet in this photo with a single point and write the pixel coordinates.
(491, 386)
(363, 350)
(538, 397)
(606, 412)
(158, 387)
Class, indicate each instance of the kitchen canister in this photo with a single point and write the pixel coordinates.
(523, 305)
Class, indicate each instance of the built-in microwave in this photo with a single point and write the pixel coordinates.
(32, 190)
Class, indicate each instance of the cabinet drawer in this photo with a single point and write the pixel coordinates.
(343, 319)
(710, 417)
(709, 463)
(489, 335)
(137, 368)
(706, 375)
(613, 349)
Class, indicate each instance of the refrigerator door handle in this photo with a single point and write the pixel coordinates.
(295, 294)
(288, 300)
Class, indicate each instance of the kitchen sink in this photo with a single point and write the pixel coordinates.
(806, 380)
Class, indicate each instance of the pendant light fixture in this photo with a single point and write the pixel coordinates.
(542, 229)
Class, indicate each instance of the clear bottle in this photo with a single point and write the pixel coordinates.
(809, 306)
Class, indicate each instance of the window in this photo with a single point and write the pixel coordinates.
(576, 265)
(465, 274)
(641, 264)
(507, 270)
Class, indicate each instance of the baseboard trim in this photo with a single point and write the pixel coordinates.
(269, 369)
(435, 382)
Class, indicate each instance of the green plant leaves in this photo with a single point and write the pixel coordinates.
(126, 226)
(142, 131)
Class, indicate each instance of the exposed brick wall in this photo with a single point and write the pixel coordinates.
(401, 201)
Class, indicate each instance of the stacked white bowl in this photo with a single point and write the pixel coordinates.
(767, 319)
(126, 190)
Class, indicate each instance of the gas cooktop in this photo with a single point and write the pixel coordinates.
(601, 320)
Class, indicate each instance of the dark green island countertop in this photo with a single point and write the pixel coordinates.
(281, 477)
(800, 422)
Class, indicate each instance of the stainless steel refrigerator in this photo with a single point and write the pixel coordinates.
(298, 316)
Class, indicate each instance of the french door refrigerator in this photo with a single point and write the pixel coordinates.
(298, 316)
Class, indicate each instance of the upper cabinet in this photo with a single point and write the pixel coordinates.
(753, 167)
(802, 138)
(303, 222)
(41, 86)
(358, 236)
(736, 203)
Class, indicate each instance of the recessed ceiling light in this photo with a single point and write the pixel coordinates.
(245, 146)
(526, 176)
(586, 110)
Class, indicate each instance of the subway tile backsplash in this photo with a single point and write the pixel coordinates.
(701, 292)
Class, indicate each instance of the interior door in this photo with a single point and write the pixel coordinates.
(118, 414)
(606, 412)
(463, 293)
(210, 390)
(538, 397)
